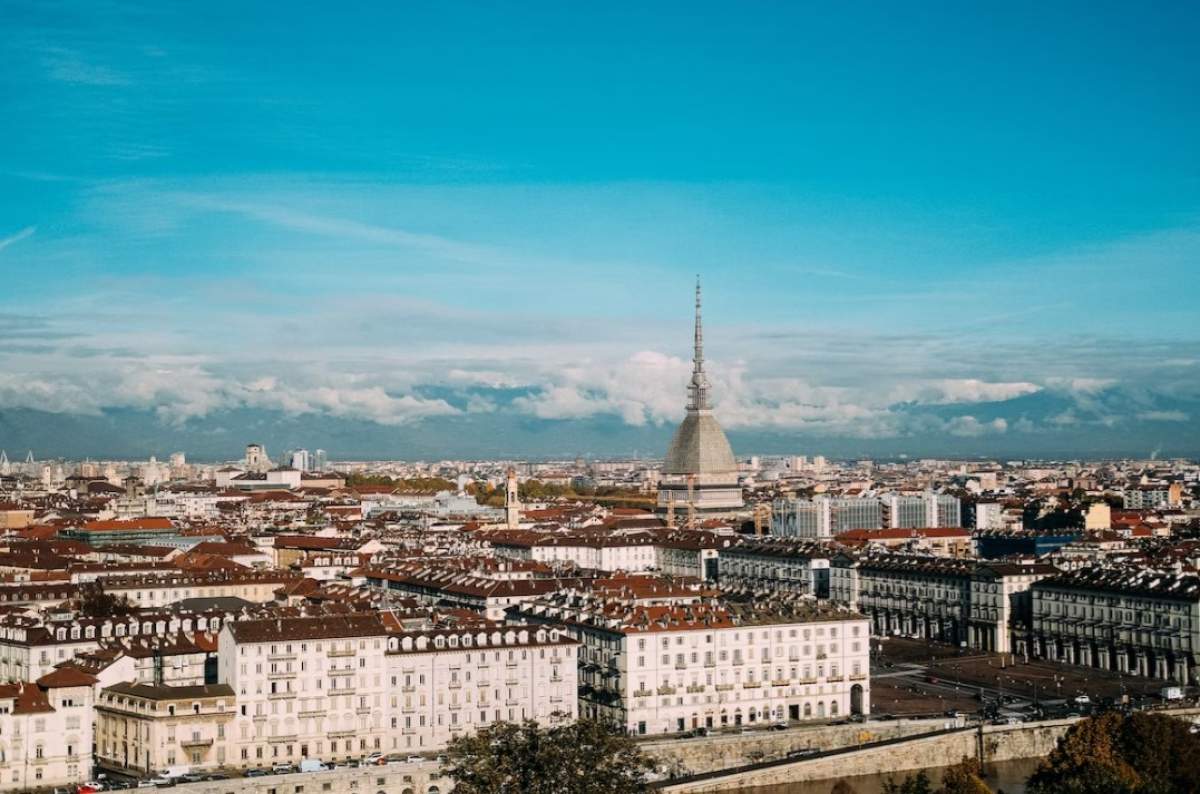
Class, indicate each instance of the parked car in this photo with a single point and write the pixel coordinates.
(415, 759)
(256, 772)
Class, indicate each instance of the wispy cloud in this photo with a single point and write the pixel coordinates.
(18, 237)
(70, 66)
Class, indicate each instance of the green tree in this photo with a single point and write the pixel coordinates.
(912, 784)
(1143, 753)
(95, 602)
(962, 778)
(582, 757)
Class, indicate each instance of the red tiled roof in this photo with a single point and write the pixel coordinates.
(130, 524)
(65, 677)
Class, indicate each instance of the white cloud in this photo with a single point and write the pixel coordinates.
(950, 391)
(1163, 416)
(1081, 385)
(970, 427)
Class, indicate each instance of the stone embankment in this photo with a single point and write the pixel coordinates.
(901, 753)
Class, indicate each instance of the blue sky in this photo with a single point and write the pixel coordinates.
(402, 213)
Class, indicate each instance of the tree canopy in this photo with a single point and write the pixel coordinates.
(582, 757)
(95, 602)
(962, 778)
(1113, 753)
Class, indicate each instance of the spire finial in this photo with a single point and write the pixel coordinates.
(699, 385)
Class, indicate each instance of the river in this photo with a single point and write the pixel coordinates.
(1006, 776)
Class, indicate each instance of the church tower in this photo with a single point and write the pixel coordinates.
(512, 501)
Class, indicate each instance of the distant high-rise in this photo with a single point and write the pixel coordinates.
(700, 469)
(823, 517)
(923, 510)
(320, 460)
(301, 460)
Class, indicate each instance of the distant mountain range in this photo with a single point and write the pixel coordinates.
(1112, 423)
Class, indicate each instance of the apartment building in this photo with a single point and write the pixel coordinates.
(1143, 622)
(823, 517)
(792, 565)
(670, 668)
(928, 509)
(634, 551)
(981, 605)
(340, 688)
(31, 647)
(46, 731)
(144, 729)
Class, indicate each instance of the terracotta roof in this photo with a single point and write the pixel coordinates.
(63, 677)
(27, 698)
(307, 628)
(150, 692)
(129, 524)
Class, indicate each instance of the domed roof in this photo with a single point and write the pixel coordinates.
(700, 447)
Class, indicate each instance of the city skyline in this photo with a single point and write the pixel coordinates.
(946, 232)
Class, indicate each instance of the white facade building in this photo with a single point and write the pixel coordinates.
(340, 688)
(667, 669)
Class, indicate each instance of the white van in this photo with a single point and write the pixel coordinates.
(312, 765)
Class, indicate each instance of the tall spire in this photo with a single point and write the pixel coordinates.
(699, 386)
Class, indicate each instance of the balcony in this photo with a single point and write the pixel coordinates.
(342, 671)
(666, 690)
(723, 687)
(196, 742)
(642, 693)
(751, 684)
(281, 695)
(336, 652)
(808, 679)
(281, 657)
(280, 674)
(681, 665)
(781, 682)
(858, 676)
(696, 688)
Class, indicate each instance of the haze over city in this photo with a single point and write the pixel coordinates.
(473, 230)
